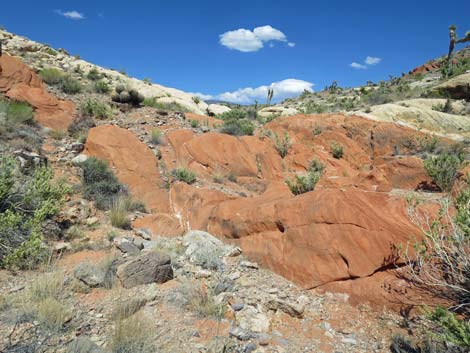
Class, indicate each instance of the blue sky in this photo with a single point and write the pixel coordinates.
(237, 49)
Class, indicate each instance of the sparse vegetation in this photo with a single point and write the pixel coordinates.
(307, 182)
(194, 124)
(96, 109)
(156, 136)
(169, 106)
(26, 201)
(185, 175)
(70, 85)
(201, 300)
(102, 87)
(133, 334)
(282, 145)
(443, 169)
(126, 307)
(118, 214)
(337, 151)
(236, 123)
(15, 112)
(51, 76)
(196, 99)
(93, 75)
(99, 183)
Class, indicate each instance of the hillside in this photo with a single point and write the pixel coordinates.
(135, 218)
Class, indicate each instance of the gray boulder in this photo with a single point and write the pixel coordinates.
(151, 267)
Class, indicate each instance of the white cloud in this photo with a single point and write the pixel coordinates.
(370, 60)
(246, 41)
(282, 89)
(204, 97)
(73, 15)
(291, 44)
(356, 65)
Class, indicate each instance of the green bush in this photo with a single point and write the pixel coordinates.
(282, 145)
(305, 183)
(185, 175)
(96, 109)
(26, 201)
(70, 85)
(453, 330)
(234, 114)
(102, 87)
(194, 124)
(16, 112)
(99, 183)
(170, 106)
(93, 75)
(127, 96)
(337, 150)
(237, 127)
(443, 169)
(51, 75)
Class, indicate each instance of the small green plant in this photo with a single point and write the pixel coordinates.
(307, 182)
(147, 81)
(234, 114)
(194, 124)
(218, 178)
(50, 51)
(58, 134)
(156, 136)
(96, 109)
(99, 183)
(317, 130)
(102, 87)
(232, 178)
(453, 330)
(70, 85)
(443, 169)
(282, 145)
(185, 175)
(337, 150)
(16, 112)
(93, 75)
(51, 76)
(237, 127)
(196, 99)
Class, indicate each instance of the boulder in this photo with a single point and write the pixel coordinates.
(203, 249)
(18, 81)
(217, 109)
(152, 267)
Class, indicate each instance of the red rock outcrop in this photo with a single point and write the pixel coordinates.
(19, 82)
(134, 163)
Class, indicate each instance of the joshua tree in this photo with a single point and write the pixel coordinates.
(454, 40)
(270, 96)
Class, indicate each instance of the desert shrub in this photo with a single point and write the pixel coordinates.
(201, 300)
(156, 136)
(93, 75)
(307, 182)
(444, 108)
(17, 112)
(185, 175)
(99, 183)
(378, 97)
(315, 108)
(237, 127)
(218, 178)
(26, 201)
(58, 134)
(118, 214)
(96, 109)
(102, 87)
(51, 76)
(428, 143)
(147, 81)
(441, 263)
(170, 106)
(51, 314)
(337, 150)
(70, 85)
(317, 130)
(194, 124)
(196, 100)
(282, 145)
(234, 114)
(453, 330)
(133, 334)
(401, 344)
(443, 169)
(80, 126)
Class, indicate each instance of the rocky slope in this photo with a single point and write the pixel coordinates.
(203, 259)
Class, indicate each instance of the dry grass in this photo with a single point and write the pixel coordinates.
(119, 214)
(126, 307)
(133, 335)
(51, 314)
(201, 300)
